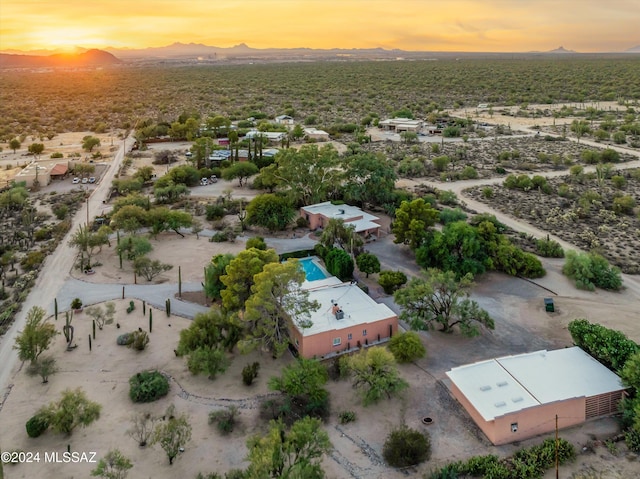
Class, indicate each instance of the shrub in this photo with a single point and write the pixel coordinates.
(549, 248)
(339, 264)
(138, 340)
(250, 372)
(608, 346)
(487, 192)
(214, 212)
(37, 424)
(632, 440)
(61, 211)
(590, 270)
(256, 242)
(346, 417)
(391, 280)
(225, 419)
(407, 347)
(448, 215)
(406, 447)
(148, 386)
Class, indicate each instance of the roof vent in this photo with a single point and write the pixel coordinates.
(485, 388)
(502, 384)
(500, 404)
(340, 211)
(517, 399)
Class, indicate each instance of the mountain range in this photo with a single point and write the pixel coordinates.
(197, 52)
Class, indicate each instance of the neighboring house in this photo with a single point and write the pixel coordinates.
(401, 124)
(315, 134)
(347, 320)
(517, 397)
(271, 136)
(32, 171)
(59, 171)
(319, 214)
(284, 120)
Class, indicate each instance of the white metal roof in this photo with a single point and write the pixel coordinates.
(358, 307)
(499, 386)
(345, 212)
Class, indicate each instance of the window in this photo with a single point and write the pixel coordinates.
(350, 337)
(364, 332)
(337, 341)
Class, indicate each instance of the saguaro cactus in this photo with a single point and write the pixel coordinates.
(150, 320)
(168, 307)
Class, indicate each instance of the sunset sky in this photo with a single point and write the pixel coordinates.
(438, 25)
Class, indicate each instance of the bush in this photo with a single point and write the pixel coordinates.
(632, 440)
(347, 417)
(549, 248)
(148, 386)
(124, 339)
(407, 347)
(339, 264)
(138, 340)
(449, 215)
(250, 372)
(608, 346)
(225, 419)
(391, 280)
(590, 270)
(61, 211)
(256, 242)
(406, 447)
(37, 424)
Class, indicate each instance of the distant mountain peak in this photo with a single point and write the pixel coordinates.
(635, 49)
(561, 49)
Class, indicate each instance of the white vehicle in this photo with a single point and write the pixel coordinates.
(85, 181)
(92, 179)
(213, 179)
(204, 182)
(76, 180)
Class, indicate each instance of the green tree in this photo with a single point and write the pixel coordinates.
(148, 268)
(337, 232)
(44, 368)
(130, 218)
(213, 273)
(133, 247)
(163, 219)
(590, 270)
(277, 303)
(303, 383)
(630, 373)
(172, 435)
(442, 300)
(90, 142)
(368, 263)
(292, 454)
(210, 360)
(407, 347)
(240, 274)
(339, 264)
(169, 192)
(211, 329)
(369, 178)
(14, 144)
(36, 337)
(375, 372)
(256, 242)
(72, 410)
(125, 186)
(114, 465)
(90, 242)
(102, 316)
(36, 149)
(580, 128)
(270, 211)
(241, 170)
(412, 220)
(391, 280)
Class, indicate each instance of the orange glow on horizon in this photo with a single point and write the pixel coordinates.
(455, 25)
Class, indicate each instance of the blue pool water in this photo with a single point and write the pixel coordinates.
(311, 270)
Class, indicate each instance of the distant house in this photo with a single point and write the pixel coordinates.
(315, 134)
(34, 171)
(284, 120)
(517, 397)
(274, 137)
(401, 124)
(318, 216)
(347, 320)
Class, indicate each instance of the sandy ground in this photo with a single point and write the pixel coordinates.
(103, 373)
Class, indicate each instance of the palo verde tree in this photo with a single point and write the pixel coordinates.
(270, 211)
(241, 171)
(172, 435)
(337, 233)
(89, 242)
(36, 337)
(277, 302)
(72, 410)
(240, 274)
(442, 300)
(114, 465)
(102, 316)
(90, 142)
(375, 373)
(289, 454)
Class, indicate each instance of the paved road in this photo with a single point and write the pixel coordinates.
(55, 271)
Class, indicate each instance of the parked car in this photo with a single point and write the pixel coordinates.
(213, 179)
(85, 181)
(76, 180)
(204, 182)
(92, 179)
(188, 154)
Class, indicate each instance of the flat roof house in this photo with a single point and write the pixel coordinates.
(315, 134)
(319, 214)
(401, 124)
(517, 397)
(284, 120)
(270, 136)
(34, 171)
(347, 319)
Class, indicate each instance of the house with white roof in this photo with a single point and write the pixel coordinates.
(517, 397)
(315, 134)
(318, 216)
(270, 136)
(348, 319)
(284, 120)
(401, 124)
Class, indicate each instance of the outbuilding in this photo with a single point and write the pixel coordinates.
(517, 397)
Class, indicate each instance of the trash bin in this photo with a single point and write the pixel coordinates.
(548, 305)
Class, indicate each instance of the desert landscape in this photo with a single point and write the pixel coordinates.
(573, 202)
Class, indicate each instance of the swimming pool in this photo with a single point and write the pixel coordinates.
(311, 270)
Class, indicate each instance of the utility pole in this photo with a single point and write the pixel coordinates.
(557, 472)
